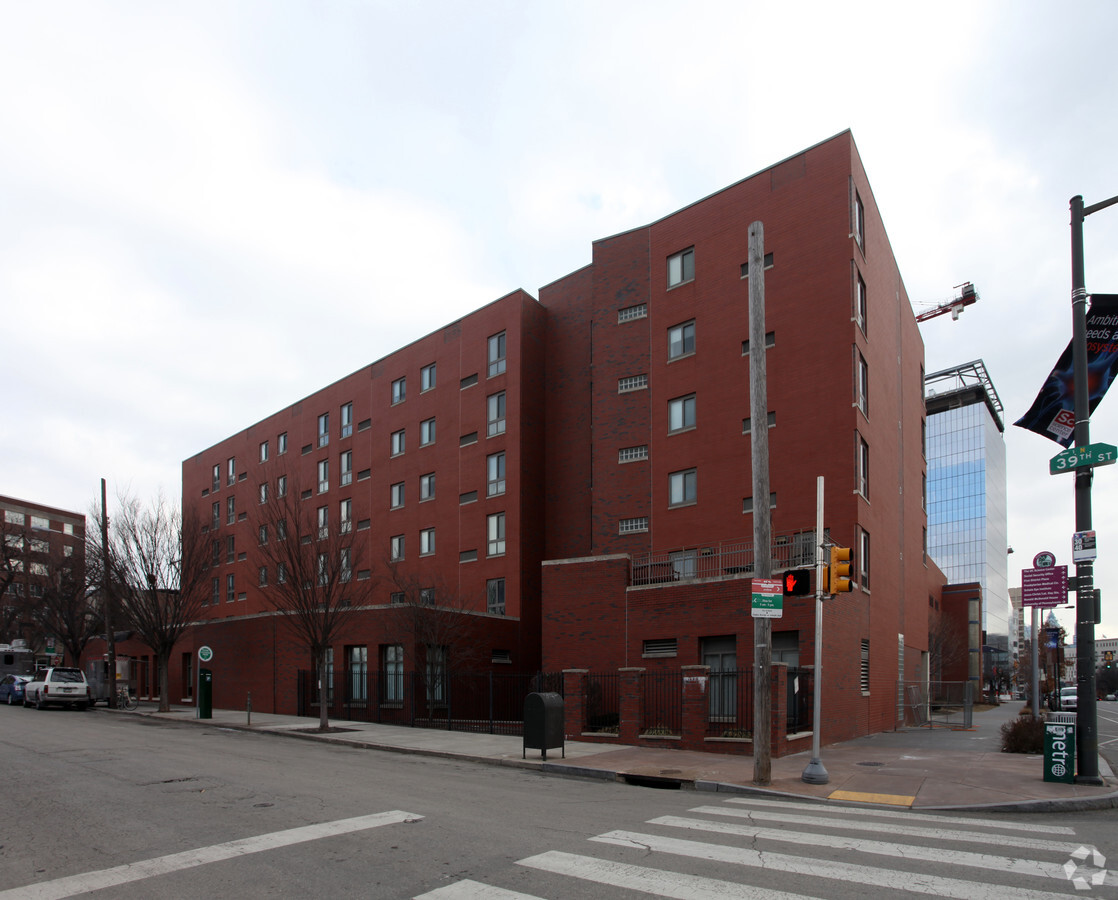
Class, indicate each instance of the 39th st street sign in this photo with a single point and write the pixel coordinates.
(1080, 457)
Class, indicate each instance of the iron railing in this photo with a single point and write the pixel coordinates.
(603, 702)
(789, 551)
(662, 703)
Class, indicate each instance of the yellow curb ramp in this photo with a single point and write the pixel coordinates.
(862, 797)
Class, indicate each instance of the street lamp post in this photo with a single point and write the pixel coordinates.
(1086, 706)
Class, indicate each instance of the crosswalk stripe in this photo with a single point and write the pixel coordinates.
(473, 890)
(940, 834)
(162, 865)
(1005, 864)
(674, 885)
(896, 880)
(906, 816)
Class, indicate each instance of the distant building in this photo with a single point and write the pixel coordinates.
(38, 541)
(966, 491)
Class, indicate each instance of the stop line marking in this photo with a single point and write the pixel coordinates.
(163, 865)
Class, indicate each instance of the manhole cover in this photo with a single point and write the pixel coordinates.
(870, 764)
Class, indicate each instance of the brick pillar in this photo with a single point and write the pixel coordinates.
(574, 702)
(696, 706)
(779, 730)
(631, 697)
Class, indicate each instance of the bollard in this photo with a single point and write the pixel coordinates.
(248, 708)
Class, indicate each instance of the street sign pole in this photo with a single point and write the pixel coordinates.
(1087, 732)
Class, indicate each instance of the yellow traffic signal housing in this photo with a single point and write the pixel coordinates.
(839, 571)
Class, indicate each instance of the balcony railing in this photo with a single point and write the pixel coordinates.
(791, 550)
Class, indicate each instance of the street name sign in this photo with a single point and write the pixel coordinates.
(1080, 457)
(768, 598)
(1044, 587)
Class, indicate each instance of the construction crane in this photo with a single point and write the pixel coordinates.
(965, 295)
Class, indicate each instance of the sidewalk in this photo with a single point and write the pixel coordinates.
(915, 767)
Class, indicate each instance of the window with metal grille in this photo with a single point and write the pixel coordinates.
(632, 383)
(640, 311)
(631, 454)
(864, 674)
(630, 526)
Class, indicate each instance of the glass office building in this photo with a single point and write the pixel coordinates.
(967, 530)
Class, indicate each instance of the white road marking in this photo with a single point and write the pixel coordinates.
(473, 890)
(163, 865)
(935, 834)
(1028, 867)
(898, 814)
(650, 881)
(895, 880)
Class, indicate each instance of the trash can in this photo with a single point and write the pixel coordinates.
(205, 694)
(543, 723)
(1059, 747)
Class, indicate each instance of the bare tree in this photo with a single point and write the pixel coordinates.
(68, 609)
(13, 600)
(947, 645)
(311, 573)
(160, 575)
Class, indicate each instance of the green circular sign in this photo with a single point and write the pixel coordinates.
(205, 654)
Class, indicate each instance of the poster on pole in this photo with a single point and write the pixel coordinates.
(768, 598)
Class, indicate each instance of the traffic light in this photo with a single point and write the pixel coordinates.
(797, 582)
(839, 581)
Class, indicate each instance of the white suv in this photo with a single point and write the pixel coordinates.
(59, 686)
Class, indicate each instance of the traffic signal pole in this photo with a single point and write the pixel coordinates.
(814, 772)
(1086, 717)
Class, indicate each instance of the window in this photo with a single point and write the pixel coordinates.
(770, 341)
(215, 591)
(323, 522)
(347, 419)
(230, 510)
(681, 267)
(263, 534)
(925, 552)
(281, 530)
(682, 487)
(357, 661)
(495, 527)
(495, 596)
(427, 486)
(864, 559)
(632, 454)
(41, 523)
(281, 444)
(632, 526)
(217, 479)
(436, 675)
(347, 468)
(426, 541)
(392, 673)
(467, 439)
(632, 383)
(767, 263)
(859, 222)
(681, 413)
(496, 414)
(323, 475)
(263, 576)
(345, 569)
(397, 495)
(427, 377)
(924, 491)
(426, 432)
(215, 511)
(860, 306)
(863, 466)
(864, 674)
(324, 429)
(747, 423)
(495, 466)
(497, 354)
(468, 381)
(231, 476)
(399, 390)
(281, 486)
(747, 503)
(681, 340)
(467, 497)
(640, 311)
(345, 516)
(281, 573)
(397, 598)
(264, 451)
(215, 547)
(862, 383)
(230, 589)
(263, 493)
(322, 569)
(397, 547)
(397, 442)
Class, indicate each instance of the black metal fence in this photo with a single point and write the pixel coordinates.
(731, 702)
(457, 701)
(662, 703)
(603, 702)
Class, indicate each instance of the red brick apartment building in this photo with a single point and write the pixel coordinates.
(575, 471)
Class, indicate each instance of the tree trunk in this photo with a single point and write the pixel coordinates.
(164, 691)
(323, 696)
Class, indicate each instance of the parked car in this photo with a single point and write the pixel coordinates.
(58, 685)
(11, 688)
(1069, 697)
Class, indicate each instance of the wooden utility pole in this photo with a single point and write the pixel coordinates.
(762, 532)
(107, 598)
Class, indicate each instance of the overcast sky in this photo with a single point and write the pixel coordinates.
(211, 210)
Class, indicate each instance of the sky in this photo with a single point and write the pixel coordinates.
(210, 210)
